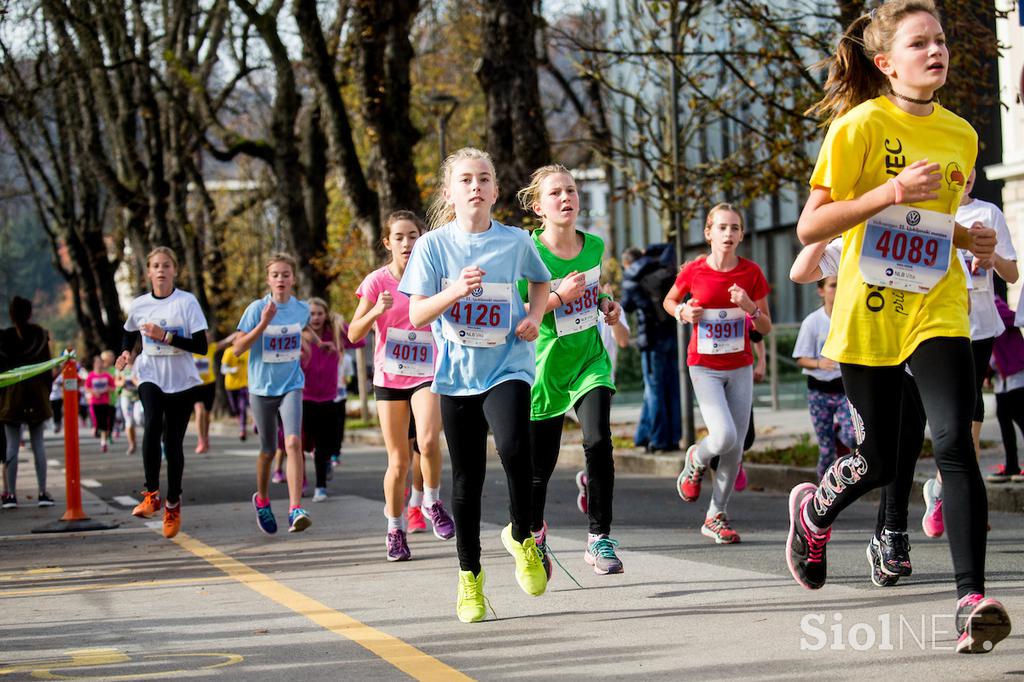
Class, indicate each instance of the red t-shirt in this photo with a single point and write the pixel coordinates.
(711, 289)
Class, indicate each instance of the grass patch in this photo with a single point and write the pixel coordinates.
(804, 453)
(361, 423)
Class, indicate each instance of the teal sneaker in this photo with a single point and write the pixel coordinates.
(601, 555)
(298, 520)
(530, 573)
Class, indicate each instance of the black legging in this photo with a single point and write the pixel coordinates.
(166, 416)
(1010, 410)
(593, 412)
(982, 352)
(944, 371)
(506, 409)
(319, 424)
(895, 500)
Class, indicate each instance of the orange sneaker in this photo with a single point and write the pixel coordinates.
(150, 505)
(172, 520)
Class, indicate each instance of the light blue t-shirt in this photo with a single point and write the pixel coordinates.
(506, 255)
(274, 357)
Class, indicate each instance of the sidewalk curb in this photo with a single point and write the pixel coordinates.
(1003, 497)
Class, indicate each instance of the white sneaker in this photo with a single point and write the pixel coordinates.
(320, 495)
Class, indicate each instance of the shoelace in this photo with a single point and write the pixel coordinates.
(815, 542)
(464, 586)
(565, 570)
(717, 524)
(604, 547)
(900, 543)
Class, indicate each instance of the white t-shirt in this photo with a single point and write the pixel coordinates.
(809, 342)
(985, 320)
(608, 339)
(171, 369)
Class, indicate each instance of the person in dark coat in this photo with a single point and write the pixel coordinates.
(26, 402)
(660, 425)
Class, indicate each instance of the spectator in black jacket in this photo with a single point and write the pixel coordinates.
(645, 274)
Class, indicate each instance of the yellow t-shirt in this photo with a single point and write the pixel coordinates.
(205, 366)
(864, 148)
(235, 369)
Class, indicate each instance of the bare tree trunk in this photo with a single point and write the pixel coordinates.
(516, 137)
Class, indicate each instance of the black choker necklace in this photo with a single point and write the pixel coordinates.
(911, 99)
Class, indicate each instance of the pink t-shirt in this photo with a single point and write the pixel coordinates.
(321, 370)
(403, 349)
(100, 385)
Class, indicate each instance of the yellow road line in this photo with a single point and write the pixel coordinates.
(33, 591)
(403, 656)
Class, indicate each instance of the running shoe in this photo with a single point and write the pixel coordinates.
(298, 520)
(878, 577)
(9, 501)
(320, 495)
(582, 502)
(172, 520)
(278, 476)
(103, 445)
(150, 505)
(414, 520)
(932, 523)
(601, 555)
(741, 480)
(265, 520)
(529, 565)
(45, 500)
(999, 474)
(1018, 478)
(398, 548)
(982, 623)
(541, 541)
(718, 529)
(805, 549)
(895, 549)
(688, 483)
(469, 604)
(444, 527)
(241, 435)
(131, 450)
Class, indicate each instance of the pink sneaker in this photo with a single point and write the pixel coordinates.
(741, 480)
(414, 521)
(278, 476)
(581, 486)
(932, 523)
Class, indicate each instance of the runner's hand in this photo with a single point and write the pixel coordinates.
(469, 280)
(739, 298)
(612, 311)
(122, 360)
(268, 313)
(983, 241)
(692, 311)
(921, 181)
(527, 329)
(151, 330)
(572, 286)
(384, 302)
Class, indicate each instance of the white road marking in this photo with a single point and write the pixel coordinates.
(91, 483)
(126, 500)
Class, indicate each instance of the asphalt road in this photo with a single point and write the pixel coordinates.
(226, 601)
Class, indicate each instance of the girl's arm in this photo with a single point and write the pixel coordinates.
(425, 309)
(244, 340)
(529, 327)
(690, 311)
(822, 218)
(366, 314)
(226, 341)
(806, 268)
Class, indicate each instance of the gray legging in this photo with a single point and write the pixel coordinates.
(13, 434)
(724, 398)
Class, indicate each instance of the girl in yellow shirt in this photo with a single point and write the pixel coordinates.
(889, 177)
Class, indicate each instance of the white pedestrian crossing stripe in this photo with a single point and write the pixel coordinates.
(91, 483)
(126, 500)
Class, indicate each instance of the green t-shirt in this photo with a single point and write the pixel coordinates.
(575, 363)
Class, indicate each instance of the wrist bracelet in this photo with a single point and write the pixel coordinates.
(897, 190)
(558, 297)
(168, 338)
(679, 310)
(754, 315)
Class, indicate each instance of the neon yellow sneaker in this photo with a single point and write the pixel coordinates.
(469, 605)
(530, 573)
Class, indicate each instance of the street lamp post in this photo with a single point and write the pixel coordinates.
(442, 105)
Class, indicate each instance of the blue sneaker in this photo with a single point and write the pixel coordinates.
(298, 520)
(601, 555)
(264, 516)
